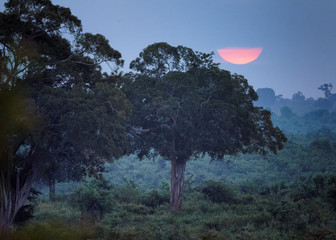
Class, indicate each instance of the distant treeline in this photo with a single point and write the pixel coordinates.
(300, 114)
(298, 104)
(303, 156)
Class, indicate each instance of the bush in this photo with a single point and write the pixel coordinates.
(128, 193)
(155, 199)
(94, 199)
(218, 192)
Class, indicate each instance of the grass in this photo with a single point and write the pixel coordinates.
(271, 215)
(58, 210)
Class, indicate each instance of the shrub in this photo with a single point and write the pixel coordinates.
(94, 199)
(155, 199)
(218, 192)
(128, 193)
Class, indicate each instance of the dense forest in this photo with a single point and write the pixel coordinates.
(177, 148)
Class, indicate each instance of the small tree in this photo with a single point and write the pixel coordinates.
(185, 106)
(326, 89)
(266, 96)
(93, 200)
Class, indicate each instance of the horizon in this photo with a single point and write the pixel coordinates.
(297, 38)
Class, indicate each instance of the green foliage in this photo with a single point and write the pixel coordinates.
(250, 171)
(286, 112)
(66, 97)
(130, 169)
(93, 199)
(302, 210)
(218, 192)
(185, 106)
(154, 199)
(158, 59)
(16, 118)
(68, 126)
(128, 193)
(44, 231)
(60, 210)
(94, 117)
(309, 122)
(190, 109)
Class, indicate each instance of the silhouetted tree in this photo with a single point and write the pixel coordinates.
(58, 113)
(184, 106)
(266, 97)
(298, 97)
(326, 89)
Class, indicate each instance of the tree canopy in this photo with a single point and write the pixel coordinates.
(66, 115)
(194, 109)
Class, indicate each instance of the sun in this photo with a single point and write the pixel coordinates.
(239, 55)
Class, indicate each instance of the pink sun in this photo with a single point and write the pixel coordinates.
(237, 55)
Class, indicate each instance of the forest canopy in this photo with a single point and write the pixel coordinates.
(71, 136)
(54, 93)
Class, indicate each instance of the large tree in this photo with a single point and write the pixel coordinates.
(58, 111)
(185, 106)
(81, 131)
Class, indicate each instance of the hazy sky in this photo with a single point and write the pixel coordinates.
(298, 37)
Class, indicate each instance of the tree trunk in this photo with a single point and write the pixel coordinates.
(52, 189)
(177, 184)
(14, 193)
(15, 186)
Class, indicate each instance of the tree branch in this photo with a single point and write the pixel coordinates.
(208, 99)
(141, 130)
